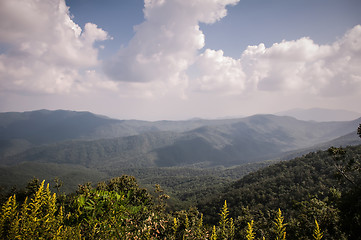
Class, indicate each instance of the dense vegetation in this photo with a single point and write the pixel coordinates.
(118, 209)
(307, 187)
(297, 199)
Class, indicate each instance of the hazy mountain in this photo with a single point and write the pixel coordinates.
(351, 139)
(20, 131)
(320, 114)
(216, 142)
(250, 139)
(80, 146)
(46, 126)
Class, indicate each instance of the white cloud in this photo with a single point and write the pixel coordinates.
(302, 65)
(166, 51)
(219, 74)
(46, 52)
(165, 63)
(166, 44)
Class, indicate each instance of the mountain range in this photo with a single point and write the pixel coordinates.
(320, 114)
(86, 140)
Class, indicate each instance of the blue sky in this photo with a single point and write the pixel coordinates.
(176, 59)
(250, 22)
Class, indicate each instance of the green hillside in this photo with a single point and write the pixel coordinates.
(72, 175)
(315, 203)
(311, 181)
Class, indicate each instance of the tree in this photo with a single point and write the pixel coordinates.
(349, 168)
(57, 184)
(118, 209)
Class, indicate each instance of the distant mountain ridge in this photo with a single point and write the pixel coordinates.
(44, 126)
(91, 140)
(320, 114)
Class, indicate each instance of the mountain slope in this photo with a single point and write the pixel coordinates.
(226, 143)
(45, 126)
(320, 114)
(71, 175)
(251, 139)
(122, 152)
(281, 185)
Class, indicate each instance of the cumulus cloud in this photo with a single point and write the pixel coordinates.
(166, 51)
(219, 74)
(166, 44)
(289, 66)
(45, 51)
(302, 65)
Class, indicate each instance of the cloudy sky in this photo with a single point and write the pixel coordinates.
(177, 59)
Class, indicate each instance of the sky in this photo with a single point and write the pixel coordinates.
(177, 59)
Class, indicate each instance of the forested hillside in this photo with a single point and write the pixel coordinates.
(78, 138)
(307, 187)
(208, 148)
(311, 197)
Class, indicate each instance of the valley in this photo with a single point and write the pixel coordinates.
(82, 146)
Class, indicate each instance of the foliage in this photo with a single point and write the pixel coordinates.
(349, 170)
(326, 213)
(306, 189)
(250, 233)
(224, 221)
(279, 227)
(317, 234)
(117, 209)
(214, 233)
(37, 218)
(8, 218)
